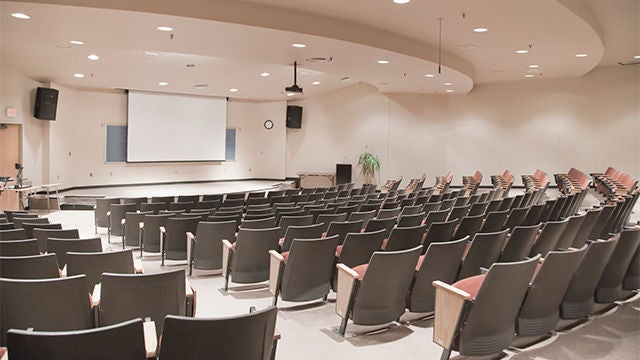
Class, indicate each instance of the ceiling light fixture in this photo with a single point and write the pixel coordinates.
(637, 57)
(93, 57)
(298, 45)
(265, 74)
(480, 30)
(522, 51)
(534, 66)
(78, 75)
(581, 55)
(165, 28)
(76, 42)
(447, 84)
(163, 83)
(429, 75)
(401, 1)
(315, 83)
(528, 75)
(449, 91)
(383, 61)
(290, 94)
(22, 16)
(233, 90)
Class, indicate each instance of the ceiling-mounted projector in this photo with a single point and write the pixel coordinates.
(294, 88)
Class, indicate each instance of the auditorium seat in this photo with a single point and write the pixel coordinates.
(247, 260)
(293, 232)
(13, 234)
(609, 287)
(173, 237)
(43, 234)
(93, 264)
(403, 238)
(29, 267)
(150, 232)
(519, 243)
(482, 252)
(61, 247)
(342, 228)
(205, 250)
(24, 247)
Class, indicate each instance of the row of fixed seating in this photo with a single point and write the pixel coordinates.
(503, 182)
(613, 182)
(537, 183)
(471, 183)
(573, 181)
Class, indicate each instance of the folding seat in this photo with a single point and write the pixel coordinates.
(517, 201)
(516, 217)
(173, 237)
(299, 198)
(29, 267)
(44, 304)
(233, 202)
(131, 227)
(153, 207)
(359, 297)
(540, 312)
(218, 217)
(150, 232)
(6, 226)
(458, 212)
(447, 204)
(579, 299)
(386, 213)
(19, 247)
(93, 264)
(116, 214)
(478, 208)
(100, 211)
(505, 204)
(483, 251)
(62, 246)
(519, 243)
(248, 336)
(347, 209)
(17, 213)
(327, 219)
(188, 198)
(247, 260)
(256, 195)
(381, 224)
(262, 223)
(257, 201)
(569, 233)
(440, 262)
(556, 212)
(476, 316)
(162, 199)
(609, 287)
(533, 216)
(183, 205)
(129, 296)
(598, 231)
(436, 216)
(29, 229)
(439, 232)
(364, 216)
(205, 247)
(209, 204)
(313, 231)
(549, 237)
(298, 220)
(208, 197)
(411, 220)
(358, 247)
(469, 226)
(631, 280)
(273, 193)
(13, 234)
(343, 228)
(303, 272)
(494, 221)
(402, 238)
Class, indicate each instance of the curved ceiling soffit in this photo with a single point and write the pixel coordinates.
(582, 11)
(250, 14)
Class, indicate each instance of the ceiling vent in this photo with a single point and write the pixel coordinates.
(632, 62)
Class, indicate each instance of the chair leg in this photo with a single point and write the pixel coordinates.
(109, 235)
(123, 236)
(343, 326)
(226, 282)
(275, 299)
(446, 353)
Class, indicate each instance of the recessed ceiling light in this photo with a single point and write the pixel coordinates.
(165, 28)
(447, 84)
(265, 74)
(522, 51)
(233, 90)
(581, 55)
(534, 66)
(93, 57)
(637, 57)
(290, 94)
(383, 61)
(480, 30)
(401, 1)
(529, 76)
(315, 83)
(429, 75)
(78, 75)
(298, 45)
(19, 15)
(449, 91)
(76, 42)
(163, 83)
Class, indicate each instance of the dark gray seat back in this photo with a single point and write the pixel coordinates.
(516, 217)
(30, 227)
(43, 234)
(103, 205)
(439, 232)
(484, 251)
(469, 226)
(549, 237)
(494, 221)
(609, 287)
(207, 247)
(298, 220)
(19, 247)
(93, 264)
(13, 234)
(62, 246)
(381, 224)
(313, 231)
(343, 228)
(582, 235)
(263, 223)
(151, 232)
(250, 262)
(117, 214)
(175, 244)
(30, 218)
(132, 227)
(358, 247)
(365, 216)
(403, 238)
(520, 243)
(569, 233)
(29, 267)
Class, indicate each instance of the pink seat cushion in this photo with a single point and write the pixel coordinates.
(384, 243)
(285, 255)
(338, 250)
(419, 264)
(361, 270)
(470, 285)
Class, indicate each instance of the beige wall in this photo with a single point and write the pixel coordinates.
(589, 123)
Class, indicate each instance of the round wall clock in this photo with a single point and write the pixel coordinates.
(268, 124)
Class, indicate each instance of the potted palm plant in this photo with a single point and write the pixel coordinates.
(369, 164)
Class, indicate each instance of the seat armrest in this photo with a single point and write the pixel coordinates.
(227, 248)
(95, 295)
(190, 239)
(449, 310)
(150, 338)
(108, 213)
(190, 298)
(123, 221)
(347, 280)
(275, 266)
(137, 266)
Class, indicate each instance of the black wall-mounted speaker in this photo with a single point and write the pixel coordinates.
(46, 104)
(294, 117)
(343, 174)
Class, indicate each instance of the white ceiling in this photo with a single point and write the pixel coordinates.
(231, 42)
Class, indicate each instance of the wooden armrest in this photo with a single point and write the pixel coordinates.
(141, 225)
(275, 265)
(450, 304)
(227, 248)
(347, 279)
(108, 213)
(95, 295)
(123, 221)
(150, 338)
(190, 235)
(63, 272)
(163, 230)
(137, 266)
(190, 239)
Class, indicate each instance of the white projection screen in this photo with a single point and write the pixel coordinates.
(173, 127)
